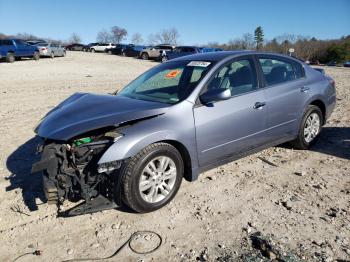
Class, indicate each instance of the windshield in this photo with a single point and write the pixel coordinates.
(169, 83)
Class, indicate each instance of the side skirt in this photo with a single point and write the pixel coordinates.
(229, 158)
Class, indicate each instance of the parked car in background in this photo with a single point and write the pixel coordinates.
(50, 49)
(180, 51)
(332, 63)
(12, 49)
(87, 48)
(175, 121)
(314, 62)
(155, 52)
(34, 42)
(210, 49)
(102, 47)
(346, 64)
(133, 50)
(117, 50)
(75, 47)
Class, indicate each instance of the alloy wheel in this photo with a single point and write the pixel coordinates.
(312, 127)
(157, 179)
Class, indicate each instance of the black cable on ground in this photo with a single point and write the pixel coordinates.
(128, 242)
(35, 253)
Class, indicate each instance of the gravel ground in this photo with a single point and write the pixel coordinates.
(246, 210)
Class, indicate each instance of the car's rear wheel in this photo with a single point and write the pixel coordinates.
(10, 58)
(36, 56)
(310, 128)
(144, 56)
(151, 179)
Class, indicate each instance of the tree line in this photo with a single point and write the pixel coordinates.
(306, 48)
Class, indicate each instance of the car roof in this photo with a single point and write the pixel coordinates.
(220, 55)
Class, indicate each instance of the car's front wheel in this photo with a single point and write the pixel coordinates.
(151, 179)
(310, 128)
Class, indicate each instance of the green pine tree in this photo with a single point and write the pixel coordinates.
(259, 37)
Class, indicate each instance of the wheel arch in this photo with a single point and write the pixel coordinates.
(127, 147)
(321, 105)
(186, 157)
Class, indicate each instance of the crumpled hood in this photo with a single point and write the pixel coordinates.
(84, 112)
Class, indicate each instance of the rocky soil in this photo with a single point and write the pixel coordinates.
(297, 209)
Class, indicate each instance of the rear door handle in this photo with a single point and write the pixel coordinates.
(304, 89)
(259, 105)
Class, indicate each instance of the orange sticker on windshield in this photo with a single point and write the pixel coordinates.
(173, 74)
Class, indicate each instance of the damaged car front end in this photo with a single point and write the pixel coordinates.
(71, 172)
(72, 148)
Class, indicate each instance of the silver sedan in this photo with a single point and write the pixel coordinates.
(50, 49)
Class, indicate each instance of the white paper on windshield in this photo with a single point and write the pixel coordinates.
(199, 63)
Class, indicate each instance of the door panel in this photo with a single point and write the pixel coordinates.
(285, 104)
(284, 98)
(230, 127)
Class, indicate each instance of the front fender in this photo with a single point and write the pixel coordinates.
(130, 145)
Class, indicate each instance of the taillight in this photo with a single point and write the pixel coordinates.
(43, 48)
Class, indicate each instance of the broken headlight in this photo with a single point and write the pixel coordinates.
(108, 166)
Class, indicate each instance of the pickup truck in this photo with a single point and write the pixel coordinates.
(12, 49)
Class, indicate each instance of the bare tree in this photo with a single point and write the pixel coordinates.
(166, 36)
(104, 36)
(248, 41)
(118, 34)
(75, 38)
(152, 40)
(136, 39)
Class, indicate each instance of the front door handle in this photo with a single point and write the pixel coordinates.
(304, 89)
(259, 105)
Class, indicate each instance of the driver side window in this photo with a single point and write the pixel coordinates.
(239, 76)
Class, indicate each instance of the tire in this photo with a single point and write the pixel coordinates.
(36, 56)
(144, 56)
(93, 50)
(134, 170)
(10, 58)
(307, 135)
(123, 54)
(52, 55)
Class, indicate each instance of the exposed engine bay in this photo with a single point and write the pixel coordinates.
(71, 172)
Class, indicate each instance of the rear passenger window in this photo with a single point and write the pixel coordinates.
(238, 76)
(277, 71)
(299, 70)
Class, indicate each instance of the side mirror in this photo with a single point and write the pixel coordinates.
(216, 94)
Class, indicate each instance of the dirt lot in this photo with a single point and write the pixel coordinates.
(301, 206)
